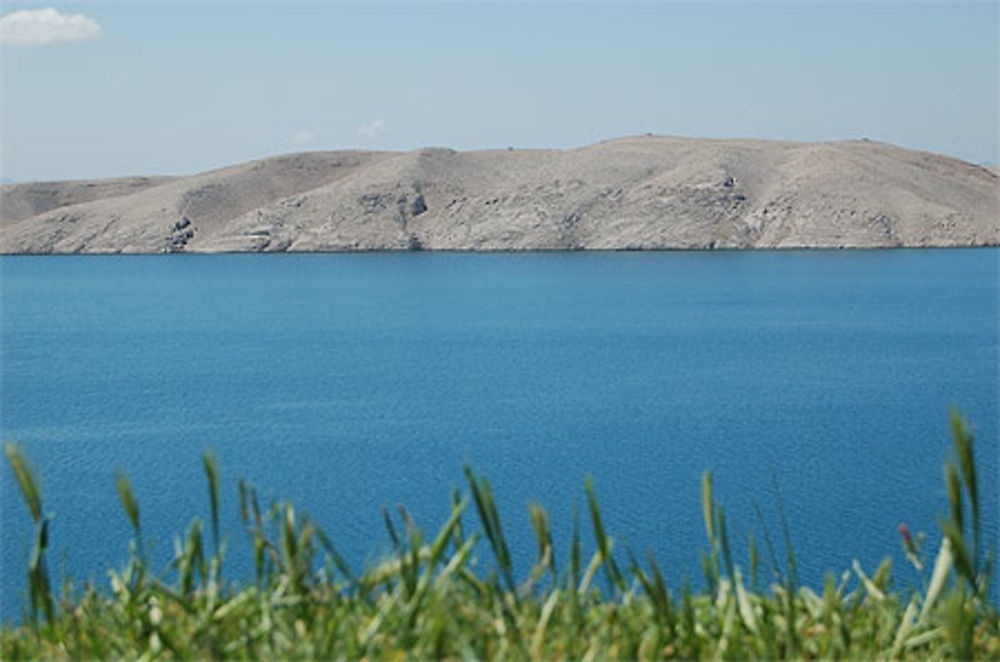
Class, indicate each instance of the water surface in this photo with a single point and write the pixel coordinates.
(346, 382)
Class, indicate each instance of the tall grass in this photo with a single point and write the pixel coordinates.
(426, 601)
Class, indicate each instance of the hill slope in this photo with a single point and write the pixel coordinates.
(632, 193)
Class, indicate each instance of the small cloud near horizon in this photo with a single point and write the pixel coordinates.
(45, 27)
(304, 136)
(373, 129)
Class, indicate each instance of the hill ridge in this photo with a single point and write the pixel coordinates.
(637, 192)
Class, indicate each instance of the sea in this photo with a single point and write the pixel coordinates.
(817, 384)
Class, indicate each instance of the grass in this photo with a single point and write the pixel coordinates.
(425, 600)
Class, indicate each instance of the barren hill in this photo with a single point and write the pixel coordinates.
(633, 193)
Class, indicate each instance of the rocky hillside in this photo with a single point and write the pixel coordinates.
(633, 193)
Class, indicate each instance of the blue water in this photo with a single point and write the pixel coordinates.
(345, 382)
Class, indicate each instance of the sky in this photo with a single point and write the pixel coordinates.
(99, 89)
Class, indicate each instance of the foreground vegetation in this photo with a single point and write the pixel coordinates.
(427, 602)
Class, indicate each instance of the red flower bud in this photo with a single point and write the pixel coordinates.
(907, 539)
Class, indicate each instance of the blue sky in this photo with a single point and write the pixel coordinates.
(146, 88)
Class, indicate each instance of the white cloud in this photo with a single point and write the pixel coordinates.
(42, 27)
(304, 136)
(376, 128)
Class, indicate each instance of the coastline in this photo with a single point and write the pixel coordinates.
(533, 251)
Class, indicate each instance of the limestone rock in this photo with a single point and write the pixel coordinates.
(644, 192)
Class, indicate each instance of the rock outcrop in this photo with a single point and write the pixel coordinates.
(637, 193)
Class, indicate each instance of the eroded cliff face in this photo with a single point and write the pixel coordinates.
(633, 193)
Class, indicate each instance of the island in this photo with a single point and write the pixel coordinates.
(636, 193)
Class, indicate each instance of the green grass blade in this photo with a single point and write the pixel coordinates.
(212, 475)
(127, 498)
(26, 480)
